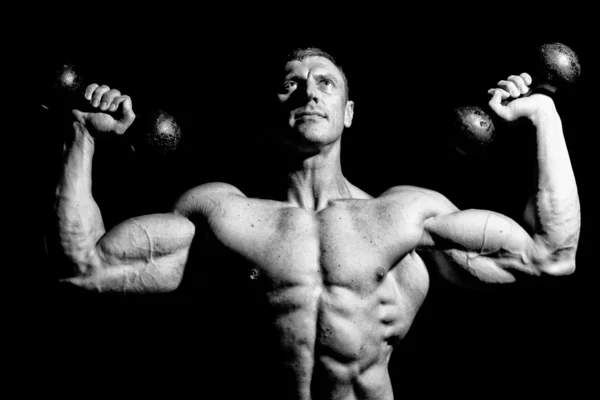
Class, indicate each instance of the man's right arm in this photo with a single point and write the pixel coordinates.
(143, 254)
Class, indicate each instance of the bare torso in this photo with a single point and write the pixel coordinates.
(339, 286)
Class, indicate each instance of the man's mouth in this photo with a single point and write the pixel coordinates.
(305, 114)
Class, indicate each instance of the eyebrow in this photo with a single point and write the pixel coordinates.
(329, 75)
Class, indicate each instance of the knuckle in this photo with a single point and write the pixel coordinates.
(100, 90)
(110, 94)
(89, 90)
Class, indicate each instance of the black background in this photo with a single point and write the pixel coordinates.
(209, 72)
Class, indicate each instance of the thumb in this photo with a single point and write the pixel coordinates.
(128, 114)
(80, 116)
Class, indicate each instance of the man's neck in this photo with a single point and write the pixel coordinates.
(312, 182)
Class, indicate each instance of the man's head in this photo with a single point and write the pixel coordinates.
(300, 54)
(313, 98)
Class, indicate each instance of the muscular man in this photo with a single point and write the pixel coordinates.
(339, 272)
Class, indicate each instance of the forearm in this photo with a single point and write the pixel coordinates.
(80, 223)
(556, 205)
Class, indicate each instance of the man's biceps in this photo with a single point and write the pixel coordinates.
(484, 232)
(468, 268)
(144, 239)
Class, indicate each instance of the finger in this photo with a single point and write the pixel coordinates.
(90, 90)
(495, 102)
(510, 87)
(107, 98)
(127, 107)
(519, 83)
(527, 78)
(503, 94)
(79, 116)
(98, 93)
(116, 102)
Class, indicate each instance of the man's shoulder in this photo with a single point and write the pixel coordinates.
(411, 192)
(427, 201)
(206, 197)
(215, 189)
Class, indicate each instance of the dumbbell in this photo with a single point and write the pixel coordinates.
(155, 132)
(555, 68)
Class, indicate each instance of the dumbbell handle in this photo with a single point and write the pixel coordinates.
(536, 88)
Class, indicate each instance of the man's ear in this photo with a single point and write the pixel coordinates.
(348, 113)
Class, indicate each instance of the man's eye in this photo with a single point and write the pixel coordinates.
(327, 82)
(288, 85)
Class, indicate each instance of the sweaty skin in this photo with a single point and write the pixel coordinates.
(338, 272)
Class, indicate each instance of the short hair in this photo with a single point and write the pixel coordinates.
(299, 54)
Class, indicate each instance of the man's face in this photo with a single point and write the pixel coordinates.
(313, 104)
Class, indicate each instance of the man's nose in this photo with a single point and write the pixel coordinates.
(310, 90)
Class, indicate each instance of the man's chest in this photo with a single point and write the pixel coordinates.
(352, 243)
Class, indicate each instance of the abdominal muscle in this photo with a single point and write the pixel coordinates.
(337, 289)
(336, 343)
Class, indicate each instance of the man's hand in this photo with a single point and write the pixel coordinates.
(514, 87)
(114, 111)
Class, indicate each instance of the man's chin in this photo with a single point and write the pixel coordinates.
(303, 142)
(314, 133)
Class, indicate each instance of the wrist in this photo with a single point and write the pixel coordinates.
(544, 113)
(82, 137)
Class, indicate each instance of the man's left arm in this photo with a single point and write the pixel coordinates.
(491, 246)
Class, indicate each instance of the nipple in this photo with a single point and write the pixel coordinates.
(254, 274)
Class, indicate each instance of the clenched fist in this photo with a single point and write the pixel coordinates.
(514, 88)
(114, 111)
